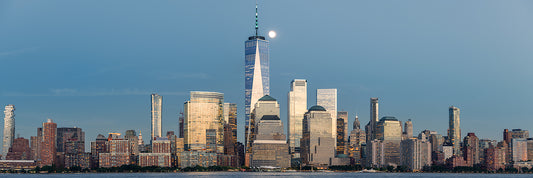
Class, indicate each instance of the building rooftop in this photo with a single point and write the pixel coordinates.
(270, 117)
(388, 118)
(267, 98)
(317, 108)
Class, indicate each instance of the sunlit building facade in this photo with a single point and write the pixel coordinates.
(9, 129)
(454, 130)
(256, 74)
(296, 108)
(48, 143)
(204, 112)
(317, 143)
(327, 98)
(157, 103)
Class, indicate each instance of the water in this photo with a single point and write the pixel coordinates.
(259, 174)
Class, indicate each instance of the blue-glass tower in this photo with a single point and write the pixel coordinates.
(256, 74)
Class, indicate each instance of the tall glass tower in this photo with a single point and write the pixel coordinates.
(9, 129)
(256, 73)
(454, 131)
(157, 102)
(296, 108)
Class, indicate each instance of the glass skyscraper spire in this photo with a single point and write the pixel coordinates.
(256, 74)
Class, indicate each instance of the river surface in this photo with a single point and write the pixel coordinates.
(259, 174)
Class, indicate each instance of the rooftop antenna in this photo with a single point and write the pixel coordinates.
(256, 19)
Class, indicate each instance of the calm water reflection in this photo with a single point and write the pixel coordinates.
(253, 174)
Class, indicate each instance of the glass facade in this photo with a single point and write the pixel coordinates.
(327, 98)
(157, 102)
(9, 129)
(203, 112)
(296, 108)
(256, 74)
(317, 144)
(454, 131)
(230, 117)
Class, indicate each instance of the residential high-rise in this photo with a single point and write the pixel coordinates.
(471, 149)
(270, 147)
(296, 108)
(9, 129)
(48, 143)
(519, 149)
(317, 144)
(203, 117)
(70, 136)
(415, 153)
(20, 150)
(454, 130)
(256, 73)
(98, 146)
(157, 103)
(327, 98)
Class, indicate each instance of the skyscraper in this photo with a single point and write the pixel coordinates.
(454, 130)
(256, 74)
(344, 116)
(203, 117)
(296, 108)
(318, 146)
(270, 146)
(230, 118)
(48, 143)
(408, 129)
(157, 102)
(9, 129)
(374, 118)
(265, 106)
(327, 98)
(471, 149)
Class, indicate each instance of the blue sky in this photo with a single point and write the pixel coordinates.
(94, 64)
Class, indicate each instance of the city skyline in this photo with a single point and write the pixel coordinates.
(123, 106)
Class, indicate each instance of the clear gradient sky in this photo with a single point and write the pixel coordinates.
(94, 64)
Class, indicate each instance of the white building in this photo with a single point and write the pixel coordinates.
(296, 108)
(9, 129)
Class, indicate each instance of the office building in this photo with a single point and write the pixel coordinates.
(230, 118)
(344, 116)
(296, 108)
(408, 129)
(341, 142)
(454, 130)
(9, 129)
(385, 148)
(256, 74)
(204, 121)
(157, 104)
(317, 143)
(270, 148)
(327, 98)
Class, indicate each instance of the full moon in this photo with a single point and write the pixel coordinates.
(272, 34)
